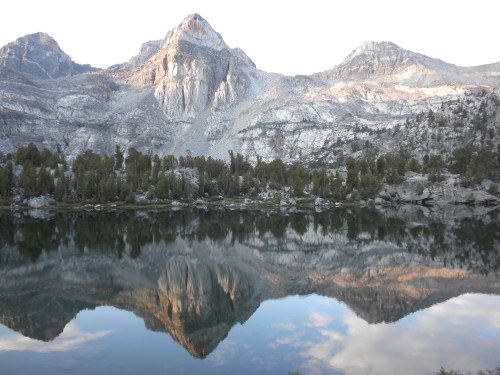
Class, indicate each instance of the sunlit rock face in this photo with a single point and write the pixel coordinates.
(199, 302)
(191, 92)
(195, 274)
(195, 71)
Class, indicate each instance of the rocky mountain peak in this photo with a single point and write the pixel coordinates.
(388, 60)
(41, 38)
(194, 71)
(39, 55)
(196, 30)
(146, 51)
(371, 49)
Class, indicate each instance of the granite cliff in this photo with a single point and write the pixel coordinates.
(190, 92)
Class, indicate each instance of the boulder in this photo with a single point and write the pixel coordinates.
(200, 202)
(413, 191)
(451, 194)
(487, 184)
(482, 198)
(319, 201)
(385, 195)
(38, 202)
(40, 214)
(288, 202)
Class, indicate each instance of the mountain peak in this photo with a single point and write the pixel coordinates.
(196, 30)
(39, 40)
(371, 48)
(42, 38)
(388, 60)
(39, 55)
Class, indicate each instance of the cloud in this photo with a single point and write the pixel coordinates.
(458, 334)
(285, 326)
(471, 306)
(71, 338)
(224, 353)
(319, 319)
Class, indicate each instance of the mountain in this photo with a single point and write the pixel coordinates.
(387, 61)
(191, 93)
(146, 51)
(195, 70)
(39, 55)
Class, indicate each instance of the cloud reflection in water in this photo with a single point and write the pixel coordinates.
(70, 339)
(461, 333)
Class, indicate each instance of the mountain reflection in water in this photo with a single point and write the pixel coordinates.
(196, 273)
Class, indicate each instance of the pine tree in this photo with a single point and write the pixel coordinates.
(163, 189)
(45, 181)
(338, 191)
(352, 174)
(414, 166)
(369, 185)
(27, 180)
(118, 157)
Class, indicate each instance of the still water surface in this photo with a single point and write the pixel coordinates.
(348, 291)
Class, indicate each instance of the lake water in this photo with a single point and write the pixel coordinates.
(343, 291)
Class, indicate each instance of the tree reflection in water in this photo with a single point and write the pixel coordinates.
(470, 242)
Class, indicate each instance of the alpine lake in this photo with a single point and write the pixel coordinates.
(347, 290)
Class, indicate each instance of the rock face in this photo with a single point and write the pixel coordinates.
(424, 192)
(146, 51)
(191, 92)
(195, 70)
(39, 55)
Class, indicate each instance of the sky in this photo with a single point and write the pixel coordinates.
(289, 37)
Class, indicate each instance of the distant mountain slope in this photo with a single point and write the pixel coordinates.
(386, 60)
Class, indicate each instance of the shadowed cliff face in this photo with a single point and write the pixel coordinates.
(39, 55)
(195, 274)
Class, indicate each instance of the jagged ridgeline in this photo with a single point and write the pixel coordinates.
(196, 273)
(190, 93)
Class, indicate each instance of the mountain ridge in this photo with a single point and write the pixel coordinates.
(190, 92)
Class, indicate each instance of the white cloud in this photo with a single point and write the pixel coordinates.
(285, 326)
(319, 319)
(458, 334)
(224, 353)
(71, 338)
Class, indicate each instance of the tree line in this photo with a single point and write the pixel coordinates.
(95, 178)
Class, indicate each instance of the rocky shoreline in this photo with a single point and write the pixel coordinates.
(411, 192)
